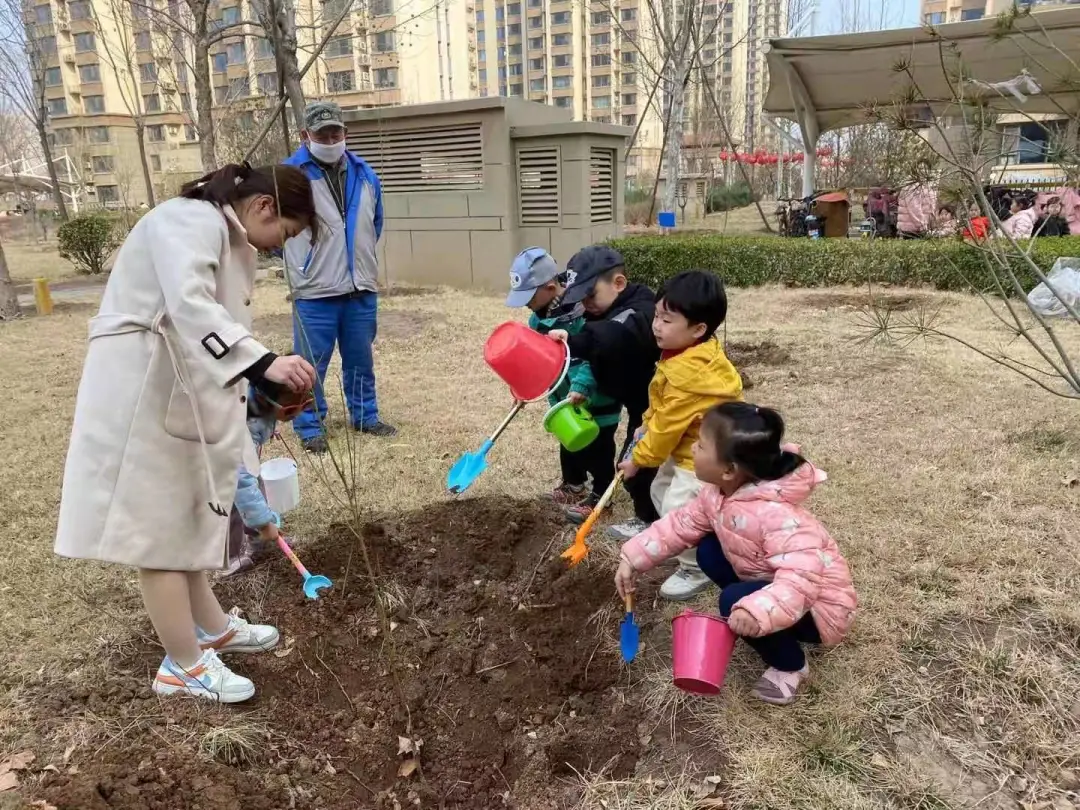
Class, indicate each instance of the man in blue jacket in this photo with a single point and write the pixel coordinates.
(335, 281)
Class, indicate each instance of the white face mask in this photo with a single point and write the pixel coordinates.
(327, 152)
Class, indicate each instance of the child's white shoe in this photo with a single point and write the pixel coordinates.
(241, 637)
(686, 583)
(778, 687)
(627, 530)
(209, 679)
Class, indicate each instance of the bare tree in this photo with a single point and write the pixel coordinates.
(27, 49)
(9, 299)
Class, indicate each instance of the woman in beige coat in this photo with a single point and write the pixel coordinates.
(160, 416)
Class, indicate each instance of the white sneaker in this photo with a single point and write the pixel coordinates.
(208, 679)
(628, 530)
(241, 637)
(684, 584)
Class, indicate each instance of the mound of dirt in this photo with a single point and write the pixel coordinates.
(501, 666)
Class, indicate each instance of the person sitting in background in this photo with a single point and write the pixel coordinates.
(978, 225)
(1052, 223)
(945, 223)
(1021, 222)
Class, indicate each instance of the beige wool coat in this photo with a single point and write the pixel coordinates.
(160, 416)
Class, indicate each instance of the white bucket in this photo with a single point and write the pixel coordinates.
(282, 484)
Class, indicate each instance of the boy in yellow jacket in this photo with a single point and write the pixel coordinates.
(692, 376)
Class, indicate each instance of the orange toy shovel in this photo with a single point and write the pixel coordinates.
(578, 551)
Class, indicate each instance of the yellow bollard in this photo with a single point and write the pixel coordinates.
(42, 298)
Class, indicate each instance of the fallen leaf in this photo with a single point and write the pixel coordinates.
(17, 762)
(68, 752)
(281, 652)
(878, 761)
(707, 787)
(51, 767)
(406, 745)
(408, 767)
(74, 769)
(8, 781)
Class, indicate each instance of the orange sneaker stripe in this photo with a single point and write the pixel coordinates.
(217, 643)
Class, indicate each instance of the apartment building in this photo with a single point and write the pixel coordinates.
(936, 12)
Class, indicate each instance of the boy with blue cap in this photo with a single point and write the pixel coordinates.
(536, 282)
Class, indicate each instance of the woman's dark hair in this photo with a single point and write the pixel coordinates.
(698, 296)
(288, 185)
(749, 437)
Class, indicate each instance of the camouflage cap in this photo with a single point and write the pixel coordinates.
(321, 114)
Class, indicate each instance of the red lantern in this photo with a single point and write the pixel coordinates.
(725, 156)
(751, 159)
(824, 151)
(798, 157)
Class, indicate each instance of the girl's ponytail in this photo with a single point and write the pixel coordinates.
(751, 438)
(218, 187)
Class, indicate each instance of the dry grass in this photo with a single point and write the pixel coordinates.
(28, 261)
(959, 686)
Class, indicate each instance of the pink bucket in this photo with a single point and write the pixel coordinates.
(701, 647)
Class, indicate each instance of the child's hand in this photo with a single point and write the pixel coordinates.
(577, 398)
(269, 532)
(742, 623)
(628, 468)
(560, 335)
(625, 578)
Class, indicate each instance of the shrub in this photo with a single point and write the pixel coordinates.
(724, 198)
(637, 213)
(747, 261)
(87, 242)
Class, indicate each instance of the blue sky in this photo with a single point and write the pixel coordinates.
(900, 14)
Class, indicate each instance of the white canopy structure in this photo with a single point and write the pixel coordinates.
(824, 83)
(32, 175)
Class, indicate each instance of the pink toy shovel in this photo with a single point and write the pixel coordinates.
(313, 583)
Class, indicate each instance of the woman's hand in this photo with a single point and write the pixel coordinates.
(625, 578)
(742, 623)
(292, 371)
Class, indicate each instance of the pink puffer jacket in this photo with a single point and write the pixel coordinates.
(766, 534)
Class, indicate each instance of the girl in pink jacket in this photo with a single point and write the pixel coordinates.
(783, 580)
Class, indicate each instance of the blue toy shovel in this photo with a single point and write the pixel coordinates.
(628, 632)
(468, 468)
(313, 583)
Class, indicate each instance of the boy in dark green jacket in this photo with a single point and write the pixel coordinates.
(536, 283)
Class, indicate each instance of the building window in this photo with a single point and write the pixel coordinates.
(629, 99)
(536, 43)
(382, 8)
(514, 29)
(601, 81)
(500, 13)
(267, 83)
(185, 102)
(537, 86)
(230, 15)
(152, 103)
(108, 195)
(562, 82)
(564, 101)
(479, 15)
(602, 102)
(43, 14)
(148, 72)
(97, 134)
(386, 78)
(629, 120)
(56, 106)
(84, 43)
(536, 22)
(972, 14)
(94, 105)
(481, 75)
(601, 39)
(517, 89)
(1033, 142)
(560, 60)
(102, 164)
(560, 18)
(628, 14)
(601, 59)
(629, 79)
(142, 40)
(155, 163)
(560, 40)
(62, 137)
(934, 18)
(384, 42)
(536, 64)
(235, 54)
(513, 9)
(339, 46)
(629, 57)
(340, 81)
(220, 62)
(515, 70)
(265, 50)
(239, 87)
(155, 133)
(189, 132)
(53, 77)
(515, 49)
(79, 10)
(599, 17)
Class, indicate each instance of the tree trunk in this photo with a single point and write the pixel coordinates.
(9, 301)
(46, 151)
(140, 136)
(285, 23)
(204, 91)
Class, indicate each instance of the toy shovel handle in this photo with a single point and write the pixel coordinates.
(586, 527)
(629, 602)
(288, 552)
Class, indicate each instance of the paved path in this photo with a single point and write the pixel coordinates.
(76, 291)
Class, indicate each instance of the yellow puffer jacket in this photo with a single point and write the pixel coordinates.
(682, 390)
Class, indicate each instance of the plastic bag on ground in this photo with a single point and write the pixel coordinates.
(1065, 279)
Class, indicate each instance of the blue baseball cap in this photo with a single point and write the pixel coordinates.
(532, 269)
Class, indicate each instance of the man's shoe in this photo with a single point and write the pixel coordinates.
(316, 445)
(379, 429)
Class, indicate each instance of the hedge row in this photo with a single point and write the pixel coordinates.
(747, 261)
